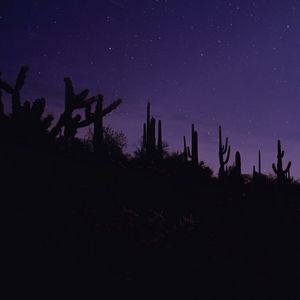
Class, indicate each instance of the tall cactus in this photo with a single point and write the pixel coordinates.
(223, 150)
(194, 146)
(74, 101)
(282, 174)
(238, 163)
(72, 124)
(14, 91)
(185, 150)
(159, 141)
(193, 155)
(259, 165)
(152, 147)
(97, 118)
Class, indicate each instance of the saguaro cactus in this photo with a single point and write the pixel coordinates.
(97, 119)
(159, 141)
(223, 150)
(259, 165)
(193, 155)
(152, 147)
(238, 163)
(72, 124)
(74, 101)
(282, 174)
(194, 146)
(185, 150)
(14, 91)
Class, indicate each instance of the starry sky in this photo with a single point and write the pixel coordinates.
(210, 62)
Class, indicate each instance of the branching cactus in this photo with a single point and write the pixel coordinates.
(72, 124)
(14, 91)
(282, 174)
(152, 147)
(97, 118)
(29, 115)
(73, 101)
(193, 155)
(223, 150)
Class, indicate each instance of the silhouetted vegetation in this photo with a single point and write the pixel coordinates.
(151, 225)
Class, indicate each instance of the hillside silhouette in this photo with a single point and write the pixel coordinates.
(153, 225)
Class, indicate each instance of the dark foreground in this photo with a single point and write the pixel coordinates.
(78, 227)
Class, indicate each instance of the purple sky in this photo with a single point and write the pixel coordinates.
(235, 63)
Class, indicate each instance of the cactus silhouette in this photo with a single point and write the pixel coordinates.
(97, 119)
(238, 164)
(28, 120)
(14, 91)
(223, 150)
(152, 148)
(194, 146)
(159, 141)
(259, 166)
(78, 101)
(73, 101)
(185, 150)
(187, 154)
(282, 174)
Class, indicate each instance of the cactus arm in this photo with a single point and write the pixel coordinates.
(225, 148)
(21, 78)
(274, 169)
(69, 86)
(6, 87)
(86, 122)
(189, 152)
(111, 107)
(91, 100)
(287, 170)
(220, 137)
(79, 100)
(228, 156)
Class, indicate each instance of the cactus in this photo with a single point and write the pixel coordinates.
(152, 138)
(73, 101)
(97, 118)
(186, 150)
(238, 166)
(259, 163)
(259, 166)
(194, 146)
(159, 141)
(282, 174)
(15, 91)
(152, 148)
(72, 124)
(144, 144)
(223, 150)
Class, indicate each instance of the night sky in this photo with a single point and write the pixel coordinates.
(234, 63)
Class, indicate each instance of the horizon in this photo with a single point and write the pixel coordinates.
(213, 63)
